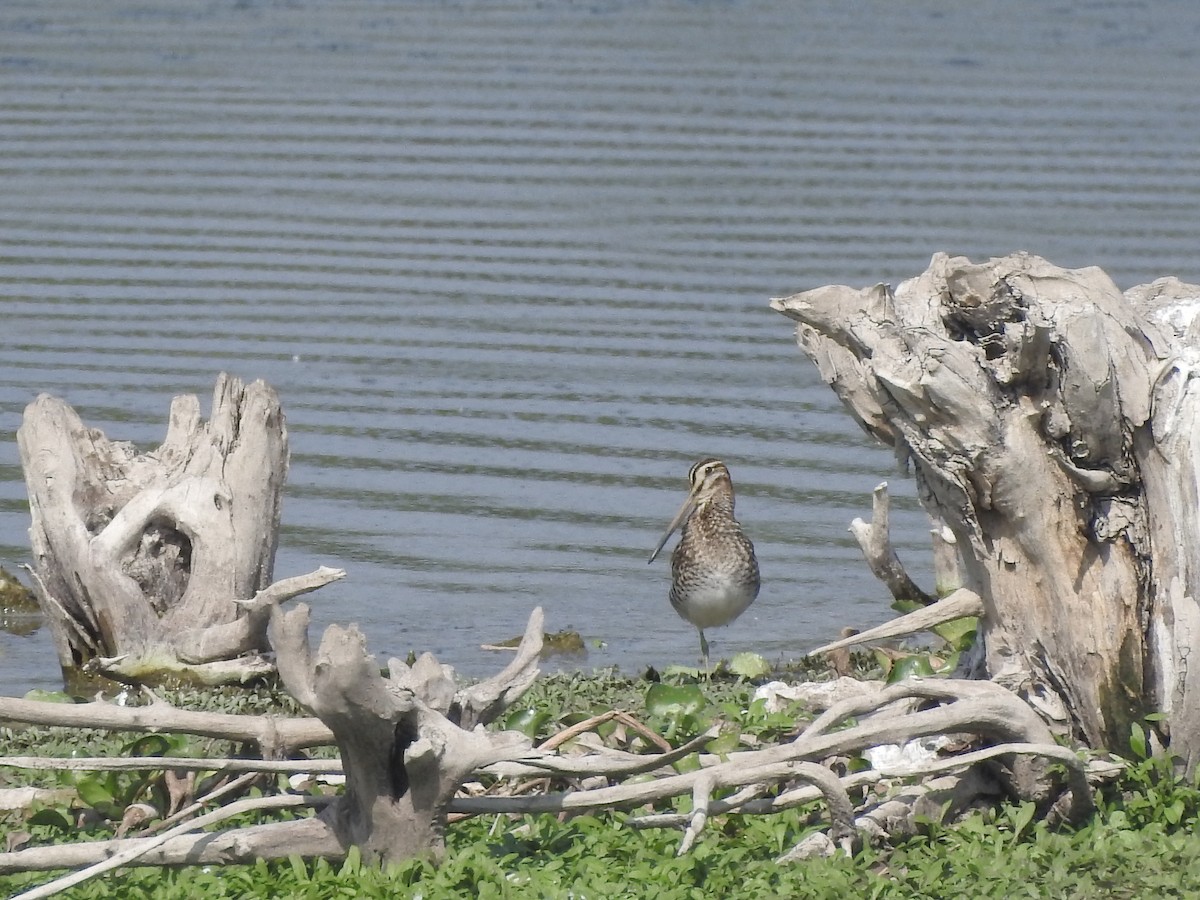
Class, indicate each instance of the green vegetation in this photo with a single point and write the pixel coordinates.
(1141, 843)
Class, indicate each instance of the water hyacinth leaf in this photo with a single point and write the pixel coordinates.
(909, 667)
(689, 763)
(528, 721)
(677, 671)
(724, 744)
(53, 818)
(958, 633)
(673, 701)
(95, 794)
(147, 745)
(749, 665)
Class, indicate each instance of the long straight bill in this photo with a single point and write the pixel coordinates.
(684, 511)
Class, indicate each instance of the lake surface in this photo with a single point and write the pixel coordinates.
(508, 265)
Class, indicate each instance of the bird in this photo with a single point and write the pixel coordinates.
(714, 572)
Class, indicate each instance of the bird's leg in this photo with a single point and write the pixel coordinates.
(703, 650)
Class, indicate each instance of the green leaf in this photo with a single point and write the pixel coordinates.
(1174, 813)
(677, 671)
(528, 721)
(94, 793)
(353, 861)
(749, 665)
(147, 745)
(723, 744)
(1137, 741)
(674, 700)
(958, 633)
(53, 818)
(909, 667)
(48, 696)
(299, 870)
(1021, 817)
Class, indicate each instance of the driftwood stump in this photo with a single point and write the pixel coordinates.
(1052, 424)
(140, 559)
(407, 741)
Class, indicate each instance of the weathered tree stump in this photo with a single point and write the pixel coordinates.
(407, 741)
(1052, 424)
(140, 559)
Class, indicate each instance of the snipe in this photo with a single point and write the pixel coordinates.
(714, 573)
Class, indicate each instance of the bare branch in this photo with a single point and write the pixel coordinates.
(277, 735)
(876, 543)
(156, 763)
(133, 849)
(962, 602)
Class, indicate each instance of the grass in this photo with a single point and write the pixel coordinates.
(1141, 843)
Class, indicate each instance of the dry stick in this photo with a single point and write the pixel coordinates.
(876, 544)
(715, 807)
(278, 733)
(648, 733)
(189, 763)
(125, 857)
(962, 602)
(701, 795)
(212, 796)
(578, 728)
(612, 763)
(987, 710)
(744, 802)
(945, 690)
(734, 773)
(588, 724)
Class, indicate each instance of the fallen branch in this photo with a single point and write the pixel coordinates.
(276, 736)
(875, 541)
(962, 602)
(236, 784)
(102, 856)
(155, 763)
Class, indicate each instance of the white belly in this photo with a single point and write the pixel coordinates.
(714, 605)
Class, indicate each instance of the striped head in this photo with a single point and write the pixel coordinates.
(710, 482)
(709, 478)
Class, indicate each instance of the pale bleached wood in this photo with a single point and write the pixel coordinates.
(1170, 449)
(875, 540)
(436, 755)
(307, 838)
(140, 557)
(139, 847)
(1050, 423)
(955, 606)
(277, 736)
(404, 756)
(155, 763)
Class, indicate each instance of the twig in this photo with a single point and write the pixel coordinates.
(297, 585)
(211, 797)
(127, 856)
(594, 721)
(276, 735)
(876, 544)
(189, 763)
(962, 602)
(701, 795)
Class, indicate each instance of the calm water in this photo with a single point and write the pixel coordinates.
(508, 266)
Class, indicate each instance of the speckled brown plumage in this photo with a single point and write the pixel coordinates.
(714, 573)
